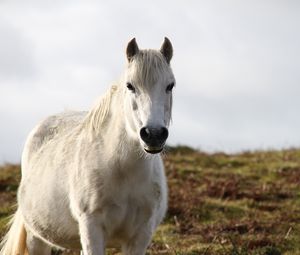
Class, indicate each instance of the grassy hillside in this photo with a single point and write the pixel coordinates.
(241, 204)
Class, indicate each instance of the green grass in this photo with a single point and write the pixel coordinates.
(242, 204)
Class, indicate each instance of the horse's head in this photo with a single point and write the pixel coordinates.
(149, 80)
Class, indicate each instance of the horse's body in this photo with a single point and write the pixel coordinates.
(87, 179)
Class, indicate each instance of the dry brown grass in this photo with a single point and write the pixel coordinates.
(241, 204)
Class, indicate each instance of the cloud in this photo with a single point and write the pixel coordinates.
(16, 54)
(236, 65)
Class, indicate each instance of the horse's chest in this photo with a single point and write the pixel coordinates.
(130, 210)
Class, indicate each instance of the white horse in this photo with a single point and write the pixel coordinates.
(95, 179)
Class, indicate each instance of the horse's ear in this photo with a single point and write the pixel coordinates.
(132, 49)
(167, 49)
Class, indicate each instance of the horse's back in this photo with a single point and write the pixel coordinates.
(48, 131)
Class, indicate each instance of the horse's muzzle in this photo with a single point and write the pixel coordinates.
(154, 138)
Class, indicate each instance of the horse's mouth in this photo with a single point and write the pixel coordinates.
(153, 151)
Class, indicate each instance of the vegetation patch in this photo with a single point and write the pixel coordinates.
(242, 204)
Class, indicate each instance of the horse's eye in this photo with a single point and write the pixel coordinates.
(170, 87)
(130, 87)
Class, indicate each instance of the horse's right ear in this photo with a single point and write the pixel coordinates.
(132, 49)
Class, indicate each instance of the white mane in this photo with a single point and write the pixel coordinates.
(97, 115)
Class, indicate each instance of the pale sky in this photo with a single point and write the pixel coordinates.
(236, 64)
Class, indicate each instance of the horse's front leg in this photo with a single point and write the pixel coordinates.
(138, 245)
(91, 235)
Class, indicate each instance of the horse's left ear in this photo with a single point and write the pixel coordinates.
(167, 49)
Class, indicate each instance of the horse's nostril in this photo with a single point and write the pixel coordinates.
(145, 134)
(164, 133)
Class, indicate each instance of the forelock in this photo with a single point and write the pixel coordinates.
(148, 66)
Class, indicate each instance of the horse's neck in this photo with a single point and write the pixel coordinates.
(112, 131)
